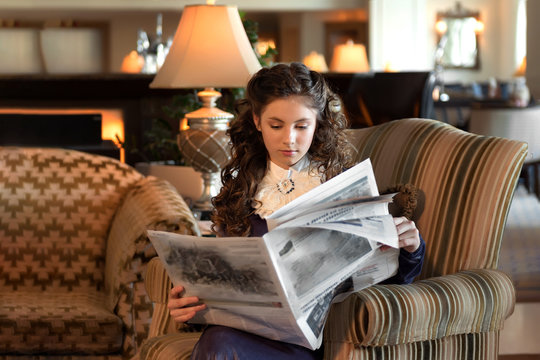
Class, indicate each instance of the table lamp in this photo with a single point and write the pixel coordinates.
(315, 62)
(210, 49)
(349, 58)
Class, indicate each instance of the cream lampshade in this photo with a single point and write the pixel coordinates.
(316, 62)
(349, 58)
(210, 49)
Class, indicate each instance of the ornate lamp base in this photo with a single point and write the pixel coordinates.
(205, 145)
(206, 151)
(211, 182)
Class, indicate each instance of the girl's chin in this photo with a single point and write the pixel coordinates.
(285, 164)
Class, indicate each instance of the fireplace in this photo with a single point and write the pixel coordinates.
(124, 101)
(97, 131)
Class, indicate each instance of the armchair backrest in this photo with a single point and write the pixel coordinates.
(56, 207)
(468, 181)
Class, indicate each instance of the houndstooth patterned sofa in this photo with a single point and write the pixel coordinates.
(73, 250)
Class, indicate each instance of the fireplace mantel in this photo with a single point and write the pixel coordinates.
(52, 87)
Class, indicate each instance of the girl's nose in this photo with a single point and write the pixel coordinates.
(290, 137)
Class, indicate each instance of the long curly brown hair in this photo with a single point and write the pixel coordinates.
(241, 176)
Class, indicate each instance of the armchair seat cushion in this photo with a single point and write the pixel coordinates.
(33, 322)
(176, 346)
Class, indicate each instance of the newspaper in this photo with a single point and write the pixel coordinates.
(320, 247)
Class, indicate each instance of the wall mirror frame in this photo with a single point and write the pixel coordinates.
(458, 32)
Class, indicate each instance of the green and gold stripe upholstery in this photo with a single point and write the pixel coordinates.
(468, 182)
(165, 339)
(472, 301)
(458, 307)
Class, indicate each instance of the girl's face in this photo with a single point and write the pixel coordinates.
(287, 126)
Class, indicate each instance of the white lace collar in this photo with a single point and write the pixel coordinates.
(280, 186)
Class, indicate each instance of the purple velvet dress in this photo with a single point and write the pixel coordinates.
(224, 343)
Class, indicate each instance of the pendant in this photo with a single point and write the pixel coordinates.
(286, 186)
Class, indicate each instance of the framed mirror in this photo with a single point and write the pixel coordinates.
(458, 31)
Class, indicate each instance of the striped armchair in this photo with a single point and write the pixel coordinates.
(457, 307)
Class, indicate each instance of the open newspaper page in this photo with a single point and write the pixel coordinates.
(326, 244)
(320, 247)
(235, 278)
(365, 217)
(356, 182)
(319, 266)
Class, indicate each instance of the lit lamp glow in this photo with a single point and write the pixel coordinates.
(479, 27)
(210, 49)
(315, 62)
(263, 45)
(522, 69)
(441, 27)
(349, 58)
(132, 63)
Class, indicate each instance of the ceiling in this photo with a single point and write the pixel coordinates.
(131, 5)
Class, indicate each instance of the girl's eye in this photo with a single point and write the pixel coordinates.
(302, 127)
(275, 126)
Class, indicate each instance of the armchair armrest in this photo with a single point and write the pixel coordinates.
(151, 204)
(466, 302)
(158, 285)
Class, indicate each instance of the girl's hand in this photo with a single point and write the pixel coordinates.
(183, 308)
(409, 237)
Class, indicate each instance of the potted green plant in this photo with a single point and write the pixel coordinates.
(160, 154)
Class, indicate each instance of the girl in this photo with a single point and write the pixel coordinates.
(288, 138)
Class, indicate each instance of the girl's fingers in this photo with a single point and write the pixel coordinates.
(384, 247)
(403, 225)
(181, 315)
(181, 308)
(176, 291)
(409, 236)
(182, 302)
(410, 240)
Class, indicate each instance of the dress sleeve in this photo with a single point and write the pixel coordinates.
(259, 227)
(410, 265)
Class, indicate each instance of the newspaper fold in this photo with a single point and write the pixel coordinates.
(321, 247)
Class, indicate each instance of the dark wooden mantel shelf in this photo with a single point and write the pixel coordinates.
(18, 87)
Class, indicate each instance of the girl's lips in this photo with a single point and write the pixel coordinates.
(288, 152)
